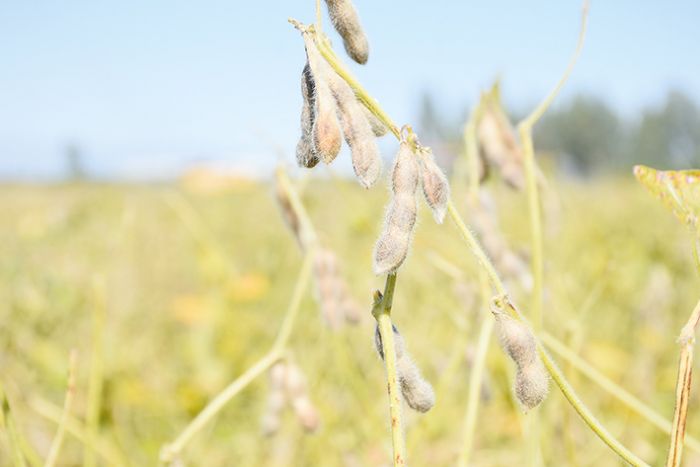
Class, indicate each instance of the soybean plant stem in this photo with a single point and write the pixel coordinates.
(171, 451)
(382, 313)
(525, 133)
(685, 372)
(478, 251)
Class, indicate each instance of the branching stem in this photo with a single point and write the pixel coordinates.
(382, 313)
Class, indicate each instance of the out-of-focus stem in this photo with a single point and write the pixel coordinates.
(57, 442)
(382, 313)
(618, 392)
(92, 416)
(476, 379)
(170, 451)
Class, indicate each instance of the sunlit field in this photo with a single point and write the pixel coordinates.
(191, 282)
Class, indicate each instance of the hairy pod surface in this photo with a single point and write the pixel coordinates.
(518, 340)
(497, 140)
(346, 21)
(325, 131)
(416, 391)
(305, 152)
(289, 215)
(332, 292)
(395, 241)
(532, 384)
(378, 128)
(436, 188)
(399, 347)
(357, 130)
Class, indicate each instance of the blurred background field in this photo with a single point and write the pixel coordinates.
(193, 284)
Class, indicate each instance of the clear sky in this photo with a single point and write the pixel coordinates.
(147, 87)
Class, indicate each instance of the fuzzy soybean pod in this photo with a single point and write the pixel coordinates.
(276, 400)
(357, 130)
(416, 391)
(325, 130)
(306, 154)
(436, 188)
(346, 21)
(531, 379)
(393, 244)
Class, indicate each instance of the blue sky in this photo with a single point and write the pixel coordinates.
(146, 88)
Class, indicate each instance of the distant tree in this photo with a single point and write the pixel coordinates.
(669, 136)
(586, 134)
(74, 162)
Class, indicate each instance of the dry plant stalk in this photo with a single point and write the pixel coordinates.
(685, 372)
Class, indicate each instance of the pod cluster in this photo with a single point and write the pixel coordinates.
(336, 303)
(408, 171)
(288, 387)
(416, 391)
(518, 340)
(331, 112)
(346, 21)
(498, 145)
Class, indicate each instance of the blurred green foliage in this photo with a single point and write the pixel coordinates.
(196, 284)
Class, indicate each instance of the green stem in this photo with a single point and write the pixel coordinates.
(92, 416)
(475, 382)
(382, 313)
(7, 422)
(171, 451)
(369, 102)
(535, 212)
(57, 442)
(525, 133)
(73, 426)
(621, 394)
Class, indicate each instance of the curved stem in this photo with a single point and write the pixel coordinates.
(618, 392)
(170, 451)
(382, 313)
(535, 115)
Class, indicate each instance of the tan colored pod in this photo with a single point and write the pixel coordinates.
(394, 243)
(358, 133)
(436, 188)
(378, 128)
(532, 384)
(499, 146)
(346, 21)
(325, 131)
(416, 391)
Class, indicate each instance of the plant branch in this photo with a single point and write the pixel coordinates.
(382, 313)
(618, 392)
(170, 452)
(535, 209)
(478, 251)
(685, 372)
